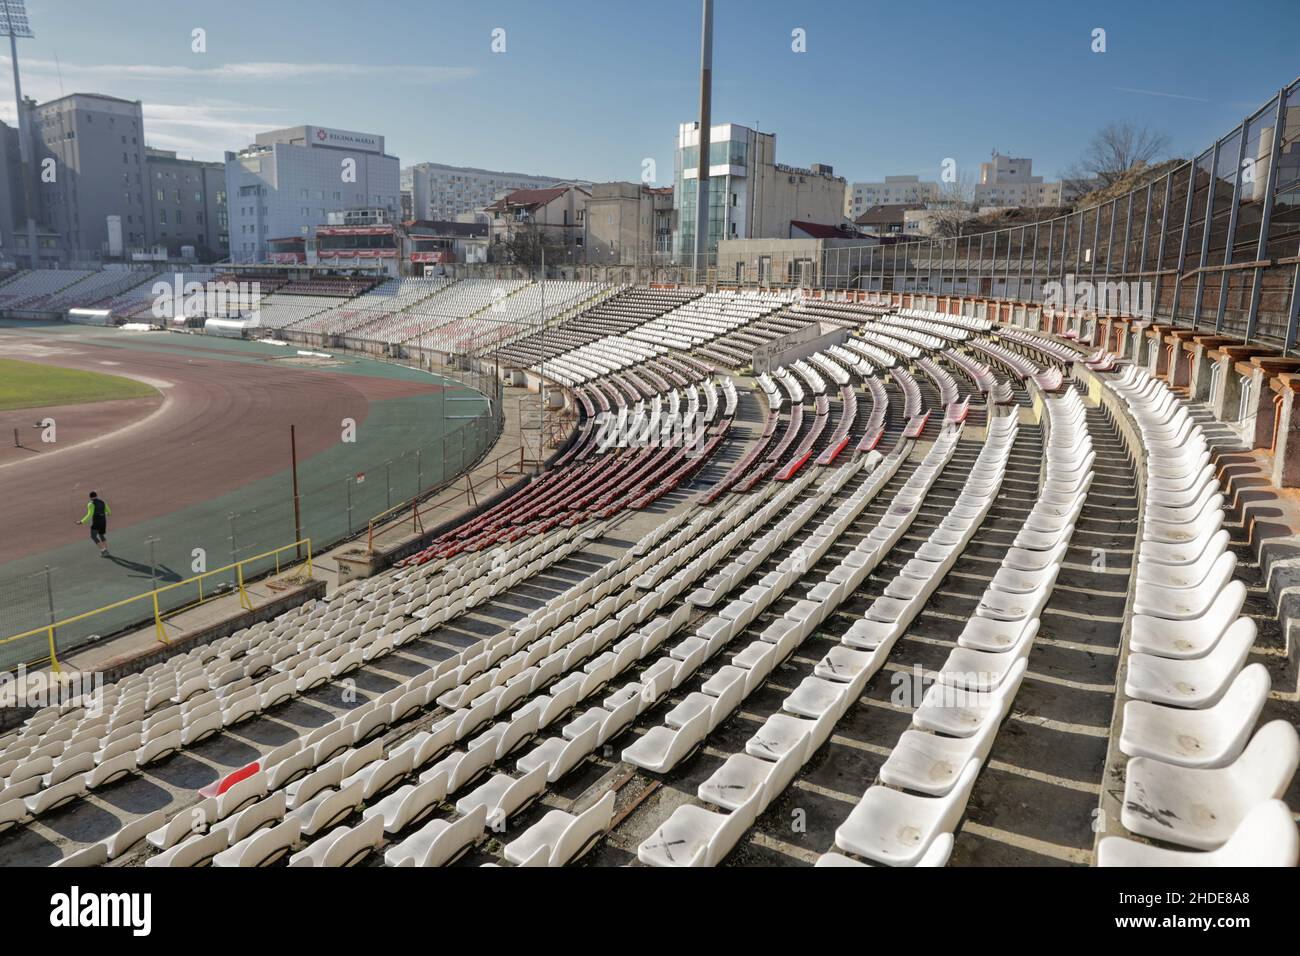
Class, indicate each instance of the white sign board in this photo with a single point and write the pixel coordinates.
(344, 139)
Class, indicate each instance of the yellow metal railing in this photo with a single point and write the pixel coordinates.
(245, 602)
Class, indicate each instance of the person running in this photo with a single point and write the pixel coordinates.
(97, 512)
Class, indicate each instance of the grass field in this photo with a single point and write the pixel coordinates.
(31, 385)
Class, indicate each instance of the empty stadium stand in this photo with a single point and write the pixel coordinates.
(865, 581)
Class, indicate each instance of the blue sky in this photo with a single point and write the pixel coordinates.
(589, 89)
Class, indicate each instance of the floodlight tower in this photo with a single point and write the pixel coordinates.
(14, 24)
(702, 169)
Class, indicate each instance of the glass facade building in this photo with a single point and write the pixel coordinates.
(730, 148)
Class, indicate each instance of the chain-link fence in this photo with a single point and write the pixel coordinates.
(336, 510)
(26, 602)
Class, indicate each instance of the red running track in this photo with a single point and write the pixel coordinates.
(223, 424)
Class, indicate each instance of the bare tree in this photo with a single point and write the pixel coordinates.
(526, 243)
(1113, 151)
(954, 207)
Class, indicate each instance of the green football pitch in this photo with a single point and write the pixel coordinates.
(32, 385)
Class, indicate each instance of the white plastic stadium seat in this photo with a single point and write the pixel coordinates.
(1200, 808)
(1266, 836)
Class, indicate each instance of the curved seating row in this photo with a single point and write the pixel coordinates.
(908, 817)
(1200, 776)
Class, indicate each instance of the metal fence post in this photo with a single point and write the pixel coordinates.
(1231, 238)
(1205, 235)
(49, 599)
(1182, 242)
(1293, 317)
(1265, 223)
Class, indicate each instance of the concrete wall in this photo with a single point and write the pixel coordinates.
(794, 346)
(619, 224)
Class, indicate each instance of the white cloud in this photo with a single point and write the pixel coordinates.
(1172, 96)
(208, 126)
(244, 72)
(206, 129)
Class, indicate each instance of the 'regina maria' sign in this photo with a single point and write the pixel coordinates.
(344, 139)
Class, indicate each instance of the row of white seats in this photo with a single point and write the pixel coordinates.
(62, 752)
(365, 312)
(707, 318)
(877, 356)
(850, 360)
(279, 310)
(924, 341)
(597, 359)
(891, 343)
(476, 682)
(748, 782)
(967, 322)
(30, 288)
(908, 818)
(560, 836)
(942, 330)
(99, 286)
(1197, 778)
(484, 681)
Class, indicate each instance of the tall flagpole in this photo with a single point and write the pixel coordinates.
(541, 386)
(702, 169)
(14, 23)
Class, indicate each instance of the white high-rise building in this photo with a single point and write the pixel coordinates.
(440, 192)
(290, 180)
(1010, 181)
(894, 191)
